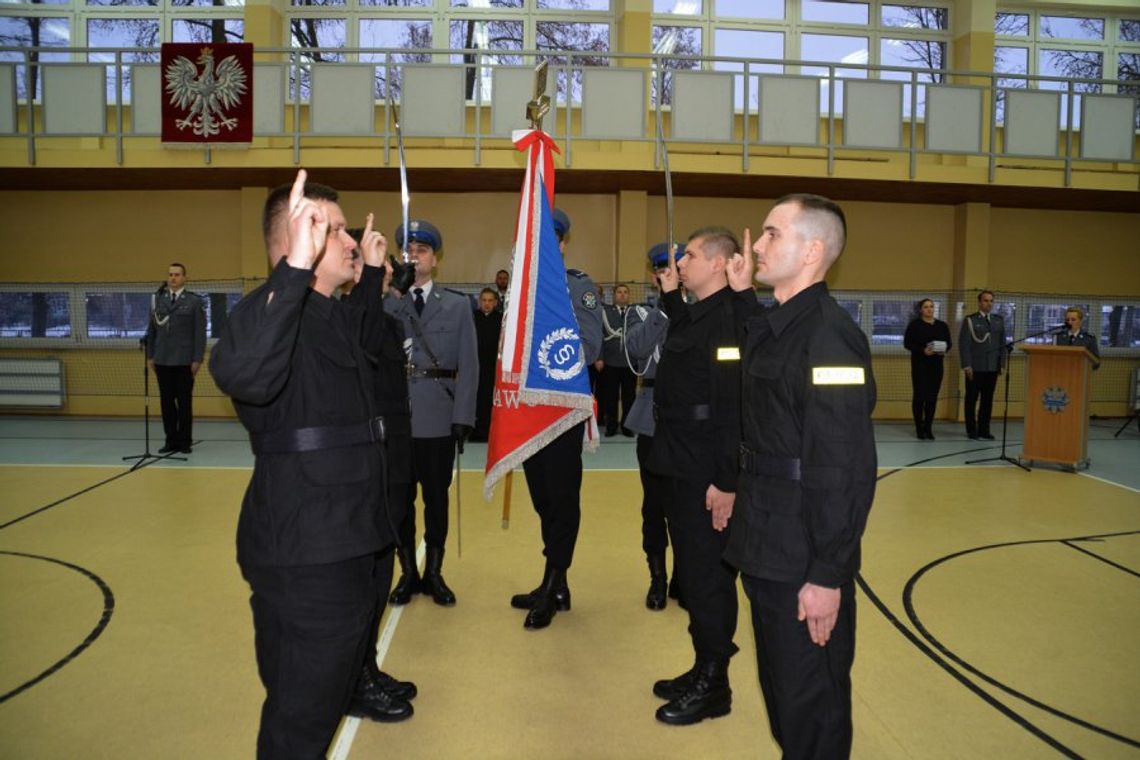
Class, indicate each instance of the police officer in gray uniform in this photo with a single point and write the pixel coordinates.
(644, 336)
(554, 473)
(981, 348)
(443, 374)
(175, 345)
(1075, 335)
(616, 379)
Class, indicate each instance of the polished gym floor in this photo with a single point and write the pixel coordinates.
(998, 611)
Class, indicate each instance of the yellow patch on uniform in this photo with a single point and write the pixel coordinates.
(728, 354)
(837, 376)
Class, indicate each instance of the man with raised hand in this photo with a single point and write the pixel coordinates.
(310, 527)
(807, 460)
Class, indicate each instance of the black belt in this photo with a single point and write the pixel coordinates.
(764, 464)
(694, 413)
(647, 382)
(318, 438)
(414, 371)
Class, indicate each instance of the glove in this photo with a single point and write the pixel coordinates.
(403, 275)
(460, 432)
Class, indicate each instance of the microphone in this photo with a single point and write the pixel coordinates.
(1058, 328)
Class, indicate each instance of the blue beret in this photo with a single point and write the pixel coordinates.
(561, 222)
(421, 232)
(659, 254)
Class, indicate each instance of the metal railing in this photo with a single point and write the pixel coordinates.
(567, 68)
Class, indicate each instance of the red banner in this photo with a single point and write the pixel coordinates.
(207, 92)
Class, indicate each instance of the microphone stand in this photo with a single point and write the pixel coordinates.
(1008, 348)
(146, 456)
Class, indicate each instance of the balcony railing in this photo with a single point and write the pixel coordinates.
(743, 107)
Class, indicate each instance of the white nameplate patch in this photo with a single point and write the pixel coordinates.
(837, 376)
(728, 354)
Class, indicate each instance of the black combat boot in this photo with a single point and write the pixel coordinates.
(409, 583)
(671, 688)
(527, 600)
(372, 680)
(372, 701)
(433, 583)
(708, 696)
(546, 601)
(658, 585)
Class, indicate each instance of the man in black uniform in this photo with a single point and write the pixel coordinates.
(695, 449)
(554, 474)
(378, 695)
(807, 477)
(309, 529)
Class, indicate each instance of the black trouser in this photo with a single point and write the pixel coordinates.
(383, 572)
(707, 583)
(654, 534)
(925, 382)
(554, 479)
(432, 463)
(982, 384)
(616, 381)
(807, 688)
(176, 389)
(310, 628)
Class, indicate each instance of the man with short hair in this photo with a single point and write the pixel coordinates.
(1075, 335)
(807, 480)
(175, 345)
(981, 348)
(502, 288)
(616, 380)
(695, 452)
(312, 519)
(443, 375)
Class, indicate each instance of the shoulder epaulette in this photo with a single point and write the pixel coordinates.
(577, 273)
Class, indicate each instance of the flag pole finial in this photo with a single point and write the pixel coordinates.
(540, 106)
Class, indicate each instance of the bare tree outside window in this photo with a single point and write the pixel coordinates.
(674, 41)
(33, 32)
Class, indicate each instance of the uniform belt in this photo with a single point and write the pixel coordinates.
(694, 413)
(755, 463)
(648, 382)
(430, 372)
(318, 438)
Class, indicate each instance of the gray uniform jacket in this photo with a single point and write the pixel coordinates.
(1084, 339)
(981, 342)
(587, 310)
(613, 335)
(448, 330)
(176, 332)
(645, 334)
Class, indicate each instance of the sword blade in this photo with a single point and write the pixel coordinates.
(405, 196)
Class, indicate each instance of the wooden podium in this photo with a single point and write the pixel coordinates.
(1057, 405)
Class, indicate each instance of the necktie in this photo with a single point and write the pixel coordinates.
(1072, 339)
(419, 300)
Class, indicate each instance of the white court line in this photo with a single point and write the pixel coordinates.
(342, 744)
(1110, 482)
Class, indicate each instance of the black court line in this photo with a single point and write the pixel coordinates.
(933, 656)
(1105, 560)
(908, 603)
(96, 632)
(82, 491)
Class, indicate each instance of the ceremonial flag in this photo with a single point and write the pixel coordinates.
(207, 92)
(542, 387)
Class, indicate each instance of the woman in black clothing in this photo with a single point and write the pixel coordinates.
(488, 323)
(928, 340)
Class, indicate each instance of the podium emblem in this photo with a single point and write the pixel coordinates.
(1054, 399)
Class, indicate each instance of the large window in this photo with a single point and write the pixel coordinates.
(914, 36)
(1086, 46)
(111, 24)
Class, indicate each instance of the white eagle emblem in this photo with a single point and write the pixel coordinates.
(206, 96)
